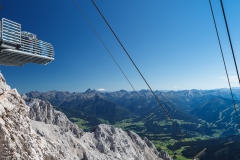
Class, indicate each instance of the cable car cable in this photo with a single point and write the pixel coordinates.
(219, 42)
(230, 41)
(166, 113)
(139, 97)
(132, 61)
(160, 104)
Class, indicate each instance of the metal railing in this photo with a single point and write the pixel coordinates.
(10, 32)
(36, 46)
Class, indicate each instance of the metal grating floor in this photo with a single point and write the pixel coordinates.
(13, 57)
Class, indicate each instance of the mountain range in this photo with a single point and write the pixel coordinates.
(197, 116)
(193, 111)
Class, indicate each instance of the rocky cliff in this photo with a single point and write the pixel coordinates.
(43, 111)
(34, 130)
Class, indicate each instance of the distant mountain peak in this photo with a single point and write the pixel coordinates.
(89, 90)
(144, 90)
(122, 90)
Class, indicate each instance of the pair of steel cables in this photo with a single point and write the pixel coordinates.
(235, 63)
(160, 104)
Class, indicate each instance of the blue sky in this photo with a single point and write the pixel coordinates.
(172, 42)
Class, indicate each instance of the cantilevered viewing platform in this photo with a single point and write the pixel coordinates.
(18, 47)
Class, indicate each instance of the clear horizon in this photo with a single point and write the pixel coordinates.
(173, 43)
(106, 90)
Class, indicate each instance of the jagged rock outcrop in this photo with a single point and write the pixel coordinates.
(43, 111)
(17, 139)
(51, 136)
(109, 143)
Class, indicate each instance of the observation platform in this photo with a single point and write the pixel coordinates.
(18, 47)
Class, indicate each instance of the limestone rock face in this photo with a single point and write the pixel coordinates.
(17, 139)
(49, 135)
(56, 144)
(43, 111)
(3, 86)
(109, 143)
